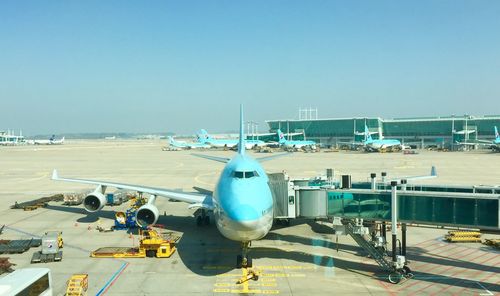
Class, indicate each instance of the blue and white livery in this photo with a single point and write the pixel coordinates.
(242, 202)
(298, 144)
(185, 145)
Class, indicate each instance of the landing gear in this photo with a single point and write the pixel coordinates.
(202, 217)
(243, 261)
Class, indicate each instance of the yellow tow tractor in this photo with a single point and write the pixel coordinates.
(151, 244)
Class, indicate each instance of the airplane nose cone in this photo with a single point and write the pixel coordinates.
(243, 213)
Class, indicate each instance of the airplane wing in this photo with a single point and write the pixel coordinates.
(432, 175)
(214, 158)
(262, 159)
(196, 199)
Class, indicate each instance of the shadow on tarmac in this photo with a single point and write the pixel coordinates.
(207, 253)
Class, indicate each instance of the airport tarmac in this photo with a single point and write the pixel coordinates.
(298, 260)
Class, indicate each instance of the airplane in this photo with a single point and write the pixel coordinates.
(184, 145)
(204, 138)
(381, 144)
(51, 141)
(494, 145)
(242, 202)
(298, 144)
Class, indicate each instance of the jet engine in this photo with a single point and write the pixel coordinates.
(94, 202)
(147, 215)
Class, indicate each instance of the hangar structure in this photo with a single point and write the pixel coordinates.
(445, 131)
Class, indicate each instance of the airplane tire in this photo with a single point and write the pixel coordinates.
(206, 220)
(395, 278)
(199, 221)
(249, 262)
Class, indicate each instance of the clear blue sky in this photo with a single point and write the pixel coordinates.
(90, 66)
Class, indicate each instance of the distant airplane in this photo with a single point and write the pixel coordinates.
(204, 138)
(493, 145)
(381, 144)
(51, 141)
(496, 143)
(298, 144)
(242, 201)
(185, 145)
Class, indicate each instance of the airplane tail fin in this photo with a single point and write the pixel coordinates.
(171, 140)
(433, 172)
(368, 136)
(241, 143)
(497, 136)
(281, 137)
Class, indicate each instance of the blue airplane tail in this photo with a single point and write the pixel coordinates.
(281, 137)
(497, 136)
(241, 143)
(368, 136)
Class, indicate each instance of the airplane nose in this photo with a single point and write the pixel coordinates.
(243, 213)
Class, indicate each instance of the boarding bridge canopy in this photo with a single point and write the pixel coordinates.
(447, 209)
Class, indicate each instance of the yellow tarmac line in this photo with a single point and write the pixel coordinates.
(197, 179)
(245, 283)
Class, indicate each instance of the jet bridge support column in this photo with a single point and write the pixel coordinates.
(403, 239)
(394, 222)
(373, 184)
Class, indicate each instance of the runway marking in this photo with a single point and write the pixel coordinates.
(197, 179)
(276, 267)
(266, 284)
(113, 279)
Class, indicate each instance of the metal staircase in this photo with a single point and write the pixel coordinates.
(379, 256)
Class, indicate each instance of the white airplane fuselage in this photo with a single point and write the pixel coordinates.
(243, 203)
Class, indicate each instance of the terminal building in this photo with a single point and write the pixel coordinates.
(445, 132)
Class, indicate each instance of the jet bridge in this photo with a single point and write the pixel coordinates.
(351, 209)
(453, 206)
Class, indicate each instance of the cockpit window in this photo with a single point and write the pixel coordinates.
(242, 175)
(251, 174)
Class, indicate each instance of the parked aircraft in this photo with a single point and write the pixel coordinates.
(381, 144)
(298, 144)
(242, 202)
(494, 145)
(185, 145)
(205, 138)
(51, 141)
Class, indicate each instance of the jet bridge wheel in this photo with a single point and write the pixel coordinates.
(395, 277)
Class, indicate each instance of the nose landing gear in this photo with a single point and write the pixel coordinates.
(243, 261)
